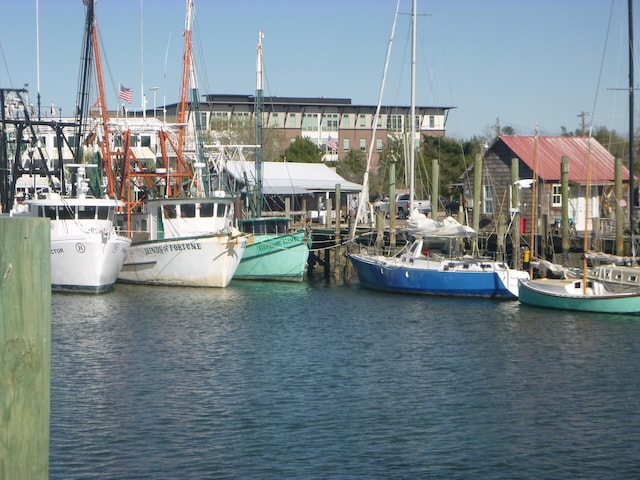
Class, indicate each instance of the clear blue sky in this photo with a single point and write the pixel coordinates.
(527, 63)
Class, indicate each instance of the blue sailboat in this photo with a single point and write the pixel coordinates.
(416, 271)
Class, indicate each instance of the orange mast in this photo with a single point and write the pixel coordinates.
(102, 104)
(186, 73)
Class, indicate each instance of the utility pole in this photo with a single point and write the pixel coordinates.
(582, 115)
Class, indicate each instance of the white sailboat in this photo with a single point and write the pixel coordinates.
(417, 272)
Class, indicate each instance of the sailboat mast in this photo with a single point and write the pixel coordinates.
(632, 196)
(412, 110)
(258, 115)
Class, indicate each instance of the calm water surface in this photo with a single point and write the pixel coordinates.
(310, 381)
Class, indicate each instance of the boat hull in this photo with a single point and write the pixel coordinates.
(434, 277)
(274, 257)
(569, 295)
(88, 263)
(197, 261)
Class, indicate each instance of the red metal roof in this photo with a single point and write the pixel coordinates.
(550, 151)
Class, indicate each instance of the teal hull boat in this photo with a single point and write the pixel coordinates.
(272, 256)
(570, 295)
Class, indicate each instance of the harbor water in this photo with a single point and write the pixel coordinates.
(316, 381)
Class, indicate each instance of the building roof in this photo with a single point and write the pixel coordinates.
(550, 151)
(290, 178)
(278, 103)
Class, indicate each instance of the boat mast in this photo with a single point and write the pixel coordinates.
(186, 69)
(189, 86)
(82, 103)
(105, 143)
(632, 196)
(412, 120)
(258, 115)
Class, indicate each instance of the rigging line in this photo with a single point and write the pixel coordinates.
(606, 41)
(6, 65)
(365, 184)
(200, 51)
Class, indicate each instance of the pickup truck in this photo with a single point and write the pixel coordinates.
(403, 207)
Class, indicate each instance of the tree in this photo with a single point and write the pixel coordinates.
(303, 150)
(614, 143)
(352, 166)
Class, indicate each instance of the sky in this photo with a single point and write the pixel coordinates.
(528, 64)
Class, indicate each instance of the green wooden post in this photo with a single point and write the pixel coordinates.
(564, 182)
(515, 204)
(477, 189)
(435, 191)
(25, 347)
(618, 211)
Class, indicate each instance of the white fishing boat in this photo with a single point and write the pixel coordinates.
(184, 242)
(86, 251)
(182, 229)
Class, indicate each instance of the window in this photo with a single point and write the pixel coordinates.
(379, 121)
(169, 211)
(363, 144)
(104, 213)
(556, 195)
(309, 122)
(394, 123)
(292, 120)
(240, 118)
(330, 122)
(432, 121)
(379, 144)
(188, 210)
(345, 144)
(345, 121)
(206, 209)
(145, 140)
(86, 212)
(275, 121)
(488, 198)
(221, 210)
(362, 120)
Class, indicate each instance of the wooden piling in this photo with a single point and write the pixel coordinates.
(25, 347)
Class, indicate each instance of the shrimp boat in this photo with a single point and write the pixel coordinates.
(86, 252)
(182, 228)
(274, 252)
(184, 242)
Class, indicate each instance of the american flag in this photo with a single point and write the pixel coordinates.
(332, 146)
(126, 94)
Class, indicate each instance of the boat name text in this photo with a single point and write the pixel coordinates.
(176, 247)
